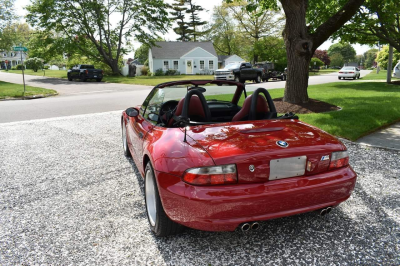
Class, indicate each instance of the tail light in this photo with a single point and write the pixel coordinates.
(87, 71)
(340, 72)
(339, 159)
(351, 72)
(214, 175)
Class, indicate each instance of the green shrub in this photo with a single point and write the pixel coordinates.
(159, 72)
(19, 67)
(46, 67)
(34, 63)
(144, 70)
(171, 72)
(149, 74)
(13, 68)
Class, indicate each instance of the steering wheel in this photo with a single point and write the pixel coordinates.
(167, 109)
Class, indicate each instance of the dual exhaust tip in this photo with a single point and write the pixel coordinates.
(325, 211)
(247, 226)
(255, 226)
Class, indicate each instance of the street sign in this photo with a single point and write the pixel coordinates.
(20, 48)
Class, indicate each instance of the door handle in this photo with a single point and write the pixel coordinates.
(140, 135)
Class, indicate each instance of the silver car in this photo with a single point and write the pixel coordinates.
(349, 72)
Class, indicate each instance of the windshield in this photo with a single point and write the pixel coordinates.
(221, 99)
(232, 66)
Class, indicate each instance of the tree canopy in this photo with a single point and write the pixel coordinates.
(345, 49)
(178, 14)
(89, 27)
(7, 13)
(375, 21)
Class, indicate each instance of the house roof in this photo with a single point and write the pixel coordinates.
(177, 49)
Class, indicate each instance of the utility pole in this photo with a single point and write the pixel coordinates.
(377, 67)
(23, 74)
(389, 68)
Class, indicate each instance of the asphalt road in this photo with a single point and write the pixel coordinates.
(68, 196)
(92, 97)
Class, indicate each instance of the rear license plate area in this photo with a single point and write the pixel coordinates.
(287, 167)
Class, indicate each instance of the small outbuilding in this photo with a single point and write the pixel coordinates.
(224, 60)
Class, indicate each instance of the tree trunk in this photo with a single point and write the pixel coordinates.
(114, 66)
(298, 49)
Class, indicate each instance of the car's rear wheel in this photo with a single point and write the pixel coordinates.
(354, 77)
(258, 80)
(339, 78)
(98, 80)
(159, 222)
(237, 78)
(83, 79)
(127, 152)
(69, 78)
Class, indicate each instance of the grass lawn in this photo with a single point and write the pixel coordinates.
(154, 80)
(373, 76)
(366, 107)
(47, 73)
(11, 90)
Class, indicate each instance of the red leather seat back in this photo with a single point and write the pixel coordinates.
(195, 109)
(262, 107)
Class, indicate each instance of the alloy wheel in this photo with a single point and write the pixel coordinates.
(150, 198)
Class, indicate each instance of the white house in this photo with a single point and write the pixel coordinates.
(224, 60)
(186, 57)
(13, 58)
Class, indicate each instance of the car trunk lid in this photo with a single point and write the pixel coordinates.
(254, 144)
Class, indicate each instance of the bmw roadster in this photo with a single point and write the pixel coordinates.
(212, 163)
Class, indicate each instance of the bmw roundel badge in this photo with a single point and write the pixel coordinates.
(282, 144)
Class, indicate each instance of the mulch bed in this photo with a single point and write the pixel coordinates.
(396, 82)
(313, 106)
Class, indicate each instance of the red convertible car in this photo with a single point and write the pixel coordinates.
(214, 158)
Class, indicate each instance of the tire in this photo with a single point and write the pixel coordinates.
(339, 78)
(354, 77)
(127, 152)
(83, 79)
(283, 78)
(242, 81)
(237, 78)
(98, 80)
(69, 78)
(159, 222)
(258, 80)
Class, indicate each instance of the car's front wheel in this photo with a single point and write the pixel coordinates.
(237, 78)
(69, 78)
(159, 222)
(258, 79)
(83, 79)
(339, 78)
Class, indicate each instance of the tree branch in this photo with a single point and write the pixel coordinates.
(325, 30)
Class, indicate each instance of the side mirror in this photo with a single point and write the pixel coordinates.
(132, 112)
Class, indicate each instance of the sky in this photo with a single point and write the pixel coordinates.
(206, 15)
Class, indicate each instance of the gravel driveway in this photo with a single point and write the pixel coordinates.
(69, 196)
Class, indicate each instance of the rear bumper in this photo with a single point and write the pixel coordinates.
(223, 208)
(348, 75)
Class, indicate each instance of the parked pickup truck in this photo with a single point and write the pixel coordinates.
(85, 72)
(269, 72)
(239, 72)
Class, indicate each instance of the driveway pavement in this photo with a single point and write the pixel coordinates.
(386, 138)
(68, 196)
